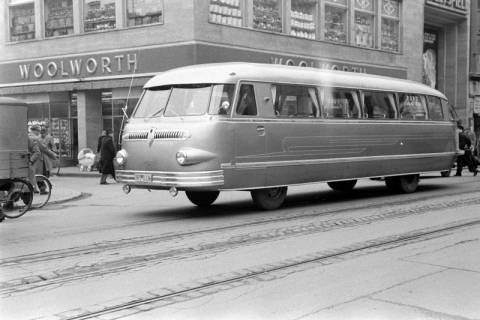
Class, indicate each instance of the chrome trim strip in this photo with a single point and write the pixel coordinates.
(300, 162)
(177, 179)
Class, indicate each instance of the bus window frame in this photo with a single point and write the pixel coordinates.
(317, 108)
(237, 99)
(395, 106)
(428, 107)
(422, 98)
(322, 97)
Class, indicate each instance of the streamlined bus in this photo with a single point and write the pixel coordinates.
(208, 128)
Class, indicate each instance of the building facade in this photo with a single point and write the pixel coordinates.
(475, 68)
(79, 62)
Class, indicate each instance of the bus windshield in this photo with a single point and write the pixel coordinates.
(184, 100)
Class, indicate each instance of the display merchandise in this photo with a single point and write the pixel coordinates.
(390, 35)
(267, 15)
(226, 12)
(22, 22)
(99, 16)
(58, 18)
(335, 24)
(142, 12)
(364, 30)
(302, 19)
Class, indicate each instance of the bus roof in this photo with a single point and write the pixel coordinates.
(232, 72)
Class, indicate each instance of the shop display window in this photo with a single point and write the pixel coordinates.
(22, 22)
(390, 29)
(390, 35)
(364, 29)
(99, 15)
(267, 15)
(366, 5)
(302, 18)
(58, 17)
(140, 12)
(226, 12)
(336, 23)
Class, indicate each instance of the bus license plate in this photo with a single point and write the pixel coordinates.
(143, 177)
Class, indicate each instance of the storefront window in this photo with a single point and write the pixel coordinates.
(336, 23)
(302, 18)
(226, 12)
(141, 12)
(99, 15)
(58, 18)
(364, 24)
(22, 21)
(267, 15)
(390, 25)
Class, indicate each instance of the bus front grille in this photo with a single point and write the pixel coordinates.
(157, 135)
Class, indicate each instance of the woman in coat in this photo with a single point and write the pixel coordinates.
(107, 154)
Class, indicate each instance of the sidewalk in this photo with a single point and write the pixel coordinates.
(76, 172)
(62, 192)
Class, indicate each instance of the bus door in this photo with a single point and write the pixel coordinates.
(249, 168)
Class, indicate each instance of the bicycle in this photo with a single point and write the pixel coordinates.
(41, 198)
(16, 197)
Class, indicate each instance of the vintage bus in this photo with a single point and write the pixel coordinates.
(208, 128)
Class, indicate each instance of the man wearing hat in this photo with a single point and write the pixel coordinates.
(38, 151)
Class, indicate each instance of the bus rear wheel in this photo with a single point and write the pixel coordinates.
(269, 198)
(403, 184)
(342, 185)
(202, 198)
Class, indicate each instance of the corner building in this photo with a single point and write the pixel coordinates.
(77, 61)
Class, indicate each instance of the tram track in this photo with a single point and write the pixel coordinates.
(121, 264)
(466, 199)
(200, 288)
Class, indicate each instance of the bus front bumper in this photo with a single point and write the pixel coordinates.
(166, 180)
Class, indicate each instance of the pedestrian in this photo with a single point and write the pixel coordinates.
(100, 139)
(38, 152)
(47, 140)
(34, 153)
(107, 154)
(466, 159)
(99, 146)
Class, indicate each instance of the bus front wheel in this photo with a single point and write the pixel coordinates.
(202, 198)
(403, 184)
(269, 198)
(342, 185)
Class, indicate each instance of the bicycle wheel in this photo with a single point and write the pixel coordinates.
(15, 201)
(45, 191)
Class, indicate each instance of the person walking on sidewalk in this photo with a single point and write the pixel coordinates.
(107, 154)
(467, 158)
(47, 140)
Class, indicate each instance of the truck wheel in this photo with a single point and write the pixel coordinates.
(202, 198)
(342, 185)
(269, 198)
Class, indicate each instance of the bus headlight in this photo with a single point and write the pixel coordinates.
(181, 157)
(121, 157)
(190, 156)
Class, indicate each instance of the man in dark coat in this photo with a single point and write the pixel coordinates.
(107, 154)
(466, 159)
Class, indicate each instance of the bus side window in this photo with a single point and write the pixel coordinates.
(341, 103)
(434, 108)
(246, 105)
(294, 101)
(412, 106)
(379, 105)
